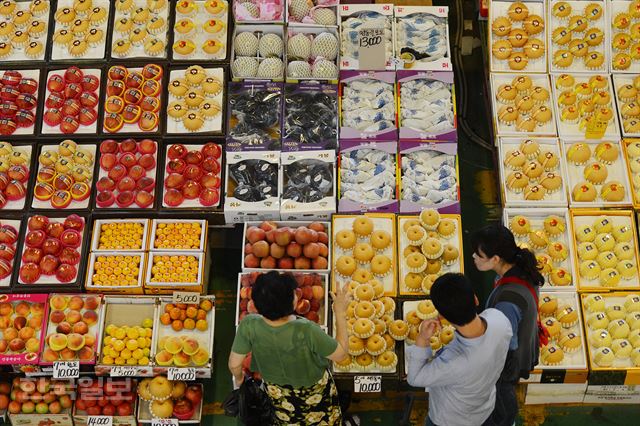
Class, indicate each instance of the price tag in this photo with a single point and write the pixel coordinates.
(66, 369)
(186, 297)
(367, 384)
(164, 422)
(184, 374)
(100, 420)
(371, 49)
(596, 129)
(121, 371)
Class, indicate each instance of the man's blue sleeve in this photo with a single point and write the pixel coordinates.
(514, 315)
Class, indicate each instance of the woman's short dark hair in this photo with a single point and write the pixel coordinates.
(453, 297)
(273, 295)
(498, 240)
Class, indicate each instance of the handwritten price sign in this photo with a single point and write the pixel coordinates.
(371, 49)
(186, 297)
(99, 421)
(367, 384)
(184, 374)
(66, 370)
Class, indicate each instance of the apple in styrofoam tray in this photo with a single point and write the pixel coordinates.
(310, 294)
(269, 246)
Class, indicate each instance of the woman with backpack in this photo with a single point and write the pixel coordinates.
(515, 294)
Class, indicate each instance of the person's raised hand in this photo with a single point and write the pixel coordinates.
(427, 329)
(341, 300)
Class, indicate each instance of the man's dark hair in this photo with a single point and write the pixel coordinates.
(273, 295)
(453, 297)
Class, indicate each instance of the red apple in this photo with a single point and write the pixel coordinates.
(52, 246)
(174, 180)
(211, 149)
(105, 183)
(128, 145)
(294, 250)
(147, 161)
(35, 238)
(193, 157)
(177, 151)
(302, 263)
(48, 265)
(255, 234)
(209, 197)
(66, 273)
(191, 190)
(268, 226)
(260, 248)
(303, 235)
(211, 165)
(318, 292)
(283, 236)
(285, 263)
(55, 229)
(317, 226)
(276, 251)
(74, 222)
(29, 273)
(144, 199)
(173, 197)
(147, 146)
(323, 238)
(319, 263)
(192, 172)
(307, 292)
(137, 172)
(268, 263)
(38, 222)
(210, 180)
(32, 255)
(303, 307)
(311, 250)
(109, 146)
(251, 261)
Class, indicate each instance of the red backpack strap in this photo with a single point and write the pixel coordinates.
(543, 333)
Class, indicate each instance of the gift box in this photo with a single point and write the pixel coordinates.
(356, 18)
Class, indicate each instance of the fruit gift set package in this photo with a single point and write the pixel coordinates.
(64, 176)
(53, 253)
(126, 335)
(254, 116)
(286, 246)
(429, 177)
(312, 12)
(367, 177)
(196, 100)
(71, 101)
(368, 105)
(429, 245)
(422, 37)
(55, 407)
(258, 52)
(118, 256)
(24, 25)
(23, 319)
(164, 399)
(312, 54)
(127, 174)
(106, 396)
(427, 108)
(80, 30)
(19, 96)
(259, 11)
(353, 18)
(310, 117)
(9, 259)
(192, 176)
(532, 172)
(252, 186)
(585, 106)
(183, 335)
(308, 185)
(597, 174)
(16, 165)
(312, 292)
(578, 36)
(72, 329)
(517, 37)
(140, 29)
(201, 30)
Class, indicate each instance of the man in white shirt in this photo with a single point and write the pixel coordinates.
(461, 377)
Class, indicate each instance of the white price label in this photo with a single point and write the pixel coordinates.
(371, 49)
(66, 369)
(99, 420)
(367, 384)
(164, 422)
(120, 371)
(186, 297)
(184, 374)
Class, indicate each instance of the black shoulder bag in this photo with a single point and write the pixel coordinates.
(249, 403)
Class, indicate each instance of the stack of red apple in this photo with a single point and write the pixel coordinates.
(14, 178)
(271, 246)
(127, 173)
(8, 238)
(310, 292)
(105, 397)
(40, 396)
(71, 100)
(18, 99)
(52, 248)
(192, 175)
(184, 407)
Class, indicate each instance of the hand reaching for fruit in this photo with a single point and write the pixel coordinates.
(341, 301)
(427, 329)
